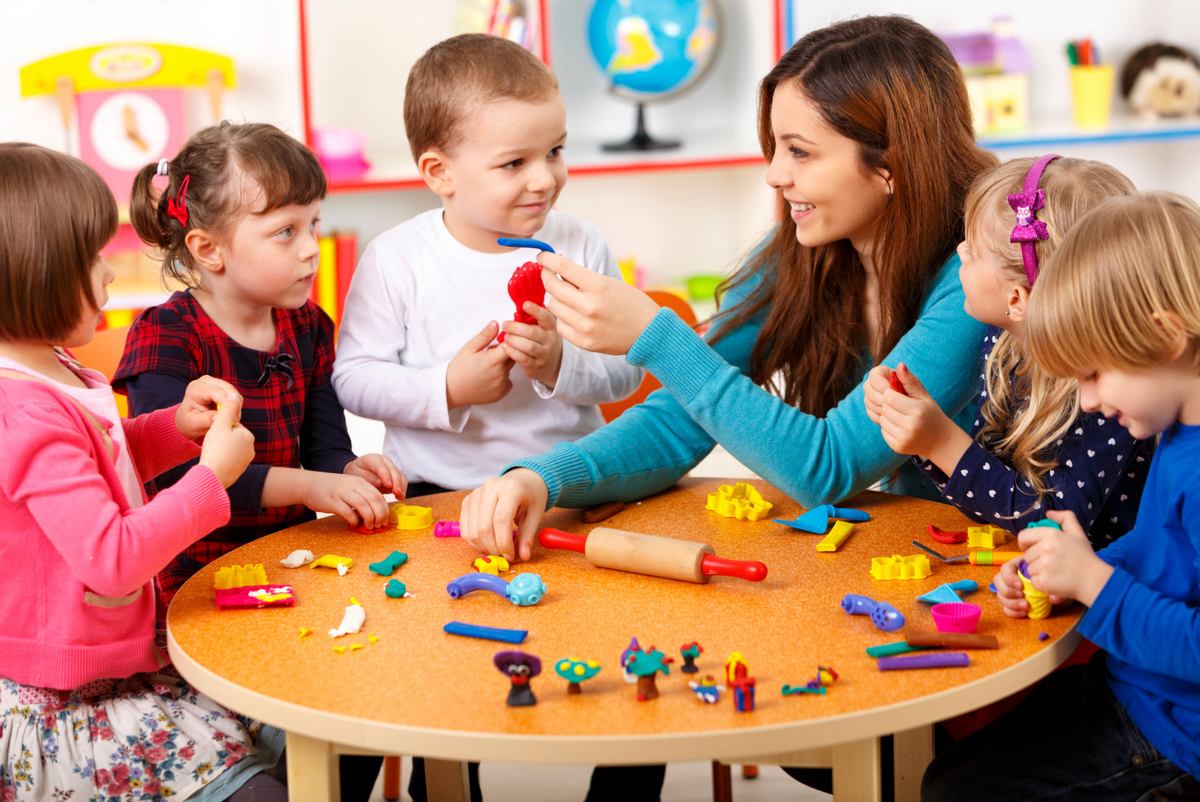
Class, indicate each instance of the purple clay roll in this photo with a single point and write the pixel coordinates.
(930, 660)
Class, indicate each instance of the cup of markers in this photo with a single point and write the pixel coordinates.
(1091, 85)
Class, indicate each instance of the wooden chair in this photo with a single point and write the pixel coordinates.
(650, 384)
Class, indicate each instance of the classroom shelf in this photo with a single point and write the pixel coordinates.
(1124, 129)
(394, 170)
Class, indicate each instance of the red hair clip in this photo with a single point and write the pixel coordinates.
(177, 206)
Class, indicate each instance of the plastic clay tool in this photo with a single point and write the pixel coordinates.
(933, 553)
(816, 520)
(518, 242)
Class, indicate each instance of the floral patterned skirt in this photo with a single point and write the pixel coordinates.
(148, 737)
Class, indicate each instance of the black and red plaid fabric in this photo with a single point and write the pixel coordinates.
(179, 341)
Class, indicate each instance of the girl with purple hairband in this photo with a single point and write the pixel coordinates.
(1030, 449)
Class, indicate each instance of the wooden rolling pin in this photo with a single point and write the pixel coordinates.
(652, 555)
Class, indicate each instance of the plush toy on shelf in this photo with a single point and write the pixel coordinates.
(1161, 80)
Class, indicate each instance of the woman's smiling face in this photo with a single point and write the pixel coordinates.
(833, 196)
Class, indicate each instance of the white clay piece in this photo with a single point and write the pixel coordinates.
(352, 621)
(297, 558)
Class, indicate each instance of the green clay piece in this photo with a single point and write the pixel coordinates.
(1046, 522)
(395, 589)
(393, 561)
(889, 649)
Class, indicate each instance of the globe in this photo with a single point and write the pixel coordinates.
(651, 49)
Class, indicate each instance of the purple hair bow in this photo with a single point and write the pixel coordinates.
(1027, 230)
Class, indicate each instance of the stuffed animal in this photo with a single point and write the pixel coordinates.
(1161, 80)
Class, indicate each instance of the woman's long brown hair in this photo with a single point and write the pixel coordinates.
(893, 87)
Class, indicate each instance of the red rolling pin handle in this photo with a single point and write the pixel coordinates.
(753, 570)
(558, 539)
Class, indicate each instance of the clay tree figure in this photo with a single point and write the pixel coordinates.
(645, 665)
(520, 668)
(630, 650)
(575, 671)
(690, 652)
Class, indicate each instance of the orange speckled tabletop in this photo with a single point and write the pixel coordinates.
(419, 690)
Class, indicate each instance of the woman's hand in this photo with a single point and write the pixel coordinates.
(196, 412)
(489, 516)
(595, 312)
(912, 423)
(380, 472)
(1063, 564)
(536, 347)
(873, 390)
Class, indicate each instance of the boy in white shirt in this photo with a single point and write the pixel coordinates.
(486, 125)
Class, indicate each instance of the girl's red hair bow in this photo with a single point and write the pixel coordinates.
(177, 206)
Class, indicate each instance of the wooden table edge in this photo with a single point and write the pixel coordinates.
(630, 749)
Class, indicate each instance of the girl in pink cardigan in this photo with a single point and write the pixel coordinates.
(87, 709)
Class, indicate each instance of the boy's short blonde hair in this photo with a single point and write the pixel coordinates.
(457, 75)
(1124, 285)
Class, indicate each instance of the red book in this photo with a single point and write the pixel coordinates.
(347, 260)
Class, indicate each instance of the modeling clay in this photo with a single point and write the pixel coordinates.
(361, 529)
(1046, 522)
(575, 671)
(305, 631)
(388, 566)
(254, 596)
(523, 590)
(446, 529)
(340, 649)
(837, 536)
(883, 615)
(953, 640)
(645, 664)
(297, 558)
(630, 678)
(352, 620)
(396, 589)
(890, 649)
(816, 520)
(236, 576)
(486, 633)
(603, 512)
(343, 569)
(373, 639)
(949, 592)
(942, 536)
(994, 557)
(1043, 636)
(897, 567)
(741, 501)
(332, 561)
(526, 285)
(926, 660)
(690, 651)
(520, 668)
(354, 647)
(491, 564)
(405, 516)
(824, 678)
(985, 537)
(707, 689)
(1039, 603)
(523, 242)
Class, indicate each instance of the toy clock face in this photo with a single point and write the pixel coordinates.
(122, 131)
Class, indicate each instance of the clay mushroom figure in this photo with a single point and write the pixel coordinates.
(645, 665)
(520, 668)
(575, 671)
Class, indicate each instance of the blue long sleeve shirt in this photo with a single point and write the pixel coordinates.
(1147, 616)
(708, 397)
(1100, 474)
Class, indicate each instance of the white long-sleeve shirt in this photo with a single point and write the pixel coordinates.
(416, 298)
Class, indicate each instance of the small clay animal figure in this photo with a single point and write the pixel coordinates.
(520, 667)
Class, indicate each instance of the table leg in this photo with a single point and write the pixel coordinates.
(446, 781)
(856, 772)
(913, 751)
(722, 782)
(312, 769)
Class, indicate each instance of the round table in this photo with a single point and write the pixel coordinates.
(420, 691)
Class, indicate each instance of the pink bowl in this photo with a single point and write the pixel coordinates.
(956, 616)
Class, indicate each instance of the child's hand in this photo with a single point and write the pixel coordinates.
(1063, 563)
(1010, 591)
(873, 388)
(597, 313)
(478, 374)
(199, 406)
(381, 472)
(913, 423)
(537, 349)
(351, 497)
(489, 515)
(229, 447)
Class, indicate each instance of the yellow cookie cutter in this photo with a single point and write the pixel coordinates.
(238, 576)
(404, 516)
(985, 537)
(740, 501)
(897, 567)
